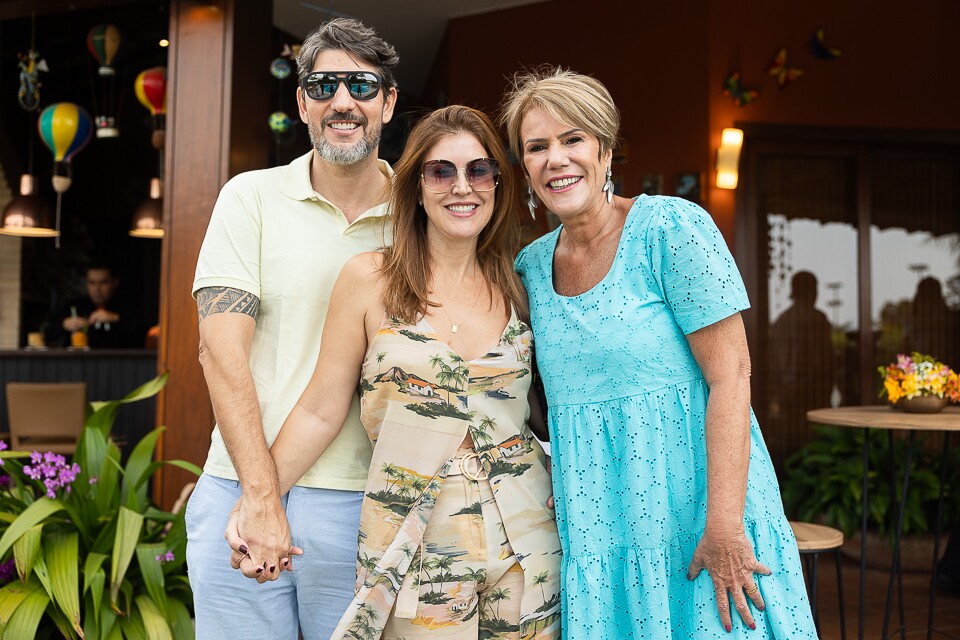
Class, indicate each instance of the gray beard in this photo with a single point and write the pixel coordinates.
(345, 155)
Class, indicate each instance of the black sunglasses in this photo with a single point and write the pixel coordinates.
(439, 176)
(322, 85)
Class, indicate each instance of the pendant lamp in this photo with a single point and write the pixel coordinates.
(148, 218)
(28, 214)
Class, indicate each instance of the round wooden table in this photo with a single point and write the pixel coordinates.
(885, 417)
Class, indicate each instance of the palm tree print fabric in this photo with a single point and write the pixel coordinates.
(419, 400)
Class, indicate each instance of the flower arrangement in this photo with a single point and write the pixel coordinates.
(84, 552)
(919, 375)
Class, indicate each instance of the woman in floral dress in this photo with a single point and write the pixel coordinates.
(456, 540)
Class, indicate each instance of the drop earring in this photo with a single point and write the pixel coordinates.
(531, 202)
(608, 185)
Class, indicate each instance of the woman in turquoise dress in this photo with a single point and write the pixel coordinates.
(668, 508)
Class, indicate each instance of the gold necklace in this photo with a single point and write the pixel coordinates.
(455, 326)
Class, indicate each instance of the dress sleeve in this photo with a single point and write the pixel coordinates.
(521, 263)
(690, 261)
(230, 254)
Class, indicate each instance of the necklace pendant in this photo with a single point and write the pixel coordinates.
(454, 327)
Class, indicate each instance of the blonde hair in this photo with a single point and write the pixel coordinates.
(568, 97)
(406, 264)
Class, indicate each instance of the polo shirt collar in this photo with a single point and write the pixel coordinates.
(296, 183)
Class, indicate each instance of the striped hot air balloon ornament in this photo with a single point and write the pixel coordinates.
(151, 89)
(65, 129)
(104, 42)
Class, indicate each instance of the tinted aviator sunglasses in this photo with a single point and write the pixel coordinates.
(322, 85)
(439, 176)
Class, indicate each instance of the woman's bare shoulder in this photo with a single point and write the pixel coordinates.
(363, 268)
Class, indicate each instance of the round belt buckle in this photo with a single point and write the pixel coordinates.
(480, 471)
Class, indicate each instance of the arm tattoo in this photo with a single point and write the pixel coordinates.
(226, 300)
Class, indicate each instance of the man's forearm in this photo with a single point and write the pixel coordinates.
(237, 411)
(227, 324)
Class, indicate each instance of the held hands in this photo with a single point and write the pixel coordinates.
(731, 563)
(259, 539)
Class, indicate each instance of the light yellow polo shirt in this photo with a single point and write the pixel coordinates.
(273, 236)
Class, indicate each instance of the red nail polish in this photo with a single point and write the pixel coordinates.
(259, 569)
(727, 628)
(761, 608)
(285, 562)
(753, 626)
(243, 549)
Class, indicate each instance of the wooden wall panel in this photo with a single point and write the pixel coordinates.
(213, 111)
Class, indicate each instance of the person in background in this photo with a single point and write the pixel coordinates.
(107, 321)
(275, 245)
(802, 349)
(933, 327)
(667, 504)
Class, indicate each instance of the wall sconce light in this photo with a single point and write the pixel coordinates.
(148, 218)
(28, 214)
(728, 158)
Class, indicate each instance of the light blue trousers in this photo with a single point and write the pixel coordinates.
(323, 522)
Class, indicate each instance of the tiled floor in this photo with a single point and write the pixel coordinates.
(916, 594)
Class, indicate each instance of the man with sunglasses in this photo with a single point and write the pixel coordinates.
(275, 245)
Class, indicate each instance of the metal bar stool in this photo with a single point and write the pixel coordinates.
(812, 540)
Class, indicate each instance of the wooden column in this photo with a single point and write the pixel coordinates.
(218, 89)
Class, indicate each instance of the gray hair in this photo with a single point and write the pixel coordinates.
(352, 36)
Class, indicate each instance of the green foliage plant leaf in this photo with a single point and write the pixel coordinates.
(94, 611)
(40, 570)
(152, 571)
(31, 516)
(74, 553)
(12, 595)
(134, 492)
(61, 556)
(824, 482)
(129, 524)
(25, 619)
(63, 625)
(178, 617)
(180, 464)
(105, 412)
(154, 624)
(91, 567)
(26, 550)
(132, 625)
(106, 489)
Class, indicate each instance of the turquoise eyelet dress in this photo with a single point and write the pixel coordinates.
(627, 410)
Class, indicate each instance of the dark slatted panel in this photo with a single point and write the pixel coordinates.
(108, 377)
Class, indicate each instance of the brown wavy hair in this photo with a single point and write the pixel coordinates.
(406, 264)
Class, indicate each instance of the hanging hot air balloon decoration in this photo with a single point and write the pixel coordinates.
(151, 89)
(65, 128)
(104, 43)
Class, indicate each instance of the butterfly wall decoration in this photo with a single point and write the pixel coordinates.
(779, 69)
(733, 88)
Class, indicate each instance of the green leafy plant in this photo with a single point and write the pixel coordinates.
(824, 483)
(94, 557)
